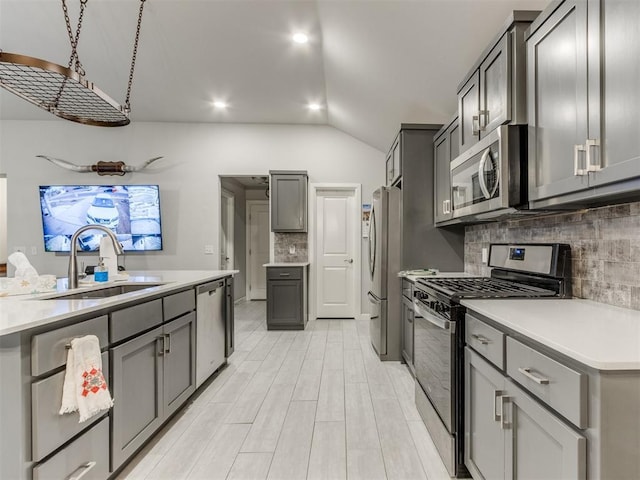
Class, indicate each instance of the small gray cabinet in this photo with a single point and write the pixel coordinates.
(152, 375)
(584, 149)
(286, 298)
(446, 149)
(508, 435)
(288, 191)
(494, 91)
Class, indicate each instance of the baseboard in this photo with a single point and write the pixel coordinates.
(364, 316)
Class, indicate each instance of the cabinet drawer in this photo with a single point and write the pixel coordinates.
(284, 273)
(89, 452)
(485, 340)
(560, 387)
(48, 349)
(129, 321)
(179, 304)
(49, 430)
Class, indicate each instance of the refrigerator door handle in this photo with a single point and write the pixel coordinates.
(373, 299)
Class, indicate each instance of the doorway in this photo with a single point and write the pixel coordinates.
(257, 248)
(336, 250)
(234, 228)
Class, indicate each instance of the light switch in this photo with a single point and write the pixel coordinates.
(208, 249)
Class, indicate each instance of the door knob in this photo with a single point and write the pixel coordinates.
(349, 261)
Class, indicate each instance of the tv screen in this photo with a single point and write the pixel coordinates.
(131, 211)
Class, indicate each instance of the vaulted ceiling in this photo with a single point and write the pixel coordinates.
(371, 64)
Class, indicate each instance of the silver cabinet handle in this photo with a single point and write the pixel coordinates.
(483, 114)
(475, 128)
(527, 373)
(578, 172)
(591, 167)
(497, 395)
(167, 348)
(504, 424)
(81, 471)
(161, 348)
(481, 338)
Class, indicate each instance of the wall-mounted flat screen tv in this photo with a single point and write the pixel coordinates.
(131, 211)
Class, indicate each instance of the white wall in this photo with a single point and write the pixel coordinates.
(195, 154)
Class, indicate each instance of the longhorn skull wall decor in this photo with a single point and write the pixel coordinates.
(101, 168)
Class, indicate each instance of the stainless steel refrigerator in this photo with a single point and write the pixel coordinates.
(384, 264)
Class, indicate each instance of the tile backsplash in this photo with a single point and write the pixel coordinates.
(605, 248)
(284, 241)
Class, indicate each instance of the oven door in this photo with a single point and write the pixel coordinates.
(434, 360)
(480, 177)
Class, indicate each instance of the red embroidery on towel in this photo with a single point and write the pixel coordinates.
(93, 382)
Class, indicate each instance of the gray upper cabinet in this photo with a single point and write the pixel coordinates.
(394, 162)
(288, 192)
(493, 93)
(446, 149)
(584, 103)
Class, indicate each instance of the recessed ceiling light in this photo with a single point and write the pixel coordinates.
(300, 37)
(314, 106)
(219, 104)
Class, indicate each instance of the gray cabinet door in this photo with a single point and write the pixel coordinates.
(484, 434)
(614, 90)
(284, 302)
(539, 444)
(557, 102)
(468, 113)
(289, 203)
(407, 331)
(389, 169)
(443, 178)
(396, 160)
(137, 379)
(495, 87)
(179, 362)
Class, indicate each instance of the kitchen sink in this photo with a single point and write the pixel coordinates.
(105, 292)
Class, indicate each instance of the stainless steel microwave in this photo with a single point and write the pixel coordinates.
(489, 179)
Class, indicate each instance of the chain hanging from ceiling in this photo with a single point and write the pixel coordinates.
(64, 91)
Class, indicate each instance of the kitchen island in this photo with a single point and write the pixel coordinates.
(148, 341)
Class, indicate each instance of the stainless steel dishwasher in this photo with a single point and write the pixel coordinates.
(210, 329)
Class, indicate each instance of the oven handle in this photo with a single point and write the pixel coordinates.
(429, 317)
(483, 186)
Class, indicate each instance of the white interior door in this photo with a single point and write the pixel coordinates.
(258, 248)
(226, 230)
(337, 230)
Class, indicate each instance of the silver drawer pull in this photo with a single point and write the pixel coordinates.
(504, 424)
(481, 338)
(285, 274)
(527, 373)
(497, 394)
(81, 471)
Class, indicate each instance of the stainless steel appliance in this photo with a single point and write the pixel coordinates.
(210, 329)
(520, 271)
(384, 265)
(490, 179)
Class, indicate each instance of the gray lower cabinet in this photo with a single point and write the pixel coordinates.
(288, 193)
(152, 376)
(508, 435)
(407, 331)
(584, 149)
(286, 298)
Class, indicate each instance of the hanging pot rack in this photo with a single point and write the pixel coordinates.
(64, 91)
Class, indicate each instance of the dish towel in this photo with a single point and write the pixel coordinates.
(85, 389)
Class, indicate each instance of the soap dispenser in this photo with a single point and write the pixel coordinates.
(101, 273)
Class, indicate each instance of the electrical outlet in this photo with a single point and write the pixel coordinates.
(20, 248)
(292, 249)
(34, 250)
(208, 249)
(485, 255)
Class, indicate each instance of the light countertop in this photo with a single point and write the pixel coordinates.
(286, 264)
(22, 312)
(601, 336)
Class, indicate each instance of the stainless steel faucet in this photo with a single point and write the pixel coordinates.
(73, 263)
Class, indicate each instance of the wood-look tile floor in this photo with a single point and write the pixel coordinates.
(312, 404)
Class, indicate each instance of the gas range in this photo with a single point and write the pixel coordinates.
(518, 271)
